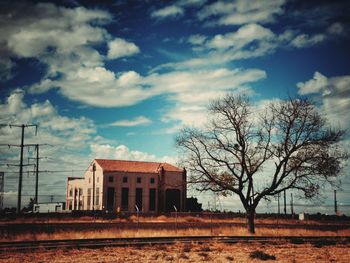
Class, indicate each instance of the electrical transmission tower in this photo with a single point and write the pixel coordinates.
(21, 165)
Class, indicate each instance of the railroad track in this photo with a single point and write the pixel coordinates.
(143, 241)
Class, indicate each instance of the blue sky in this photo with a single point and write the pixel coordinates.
(119, 79)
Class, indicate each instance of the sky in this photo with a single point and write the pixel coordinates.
(120, 79)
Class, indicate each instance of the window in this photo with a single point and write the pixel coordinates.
(138, 199)
(152, 199)
(110, 179)
(97, 196)
(125, 198)
(88, 198)
(138, 180)
(80, 191)
(97, 179)
(125, 179)
(71, 192)
(152, 180)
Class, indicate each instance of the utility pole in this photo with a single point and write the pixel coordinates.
(20, 172)
(335, 202)
(37, 158)
(2, 178)
(291, 203)
(22, 126)
(93, 186)
(285, 202)
(37, 174)
(278, 202)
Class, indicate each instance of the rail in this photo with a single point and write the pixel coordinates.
(143, 241)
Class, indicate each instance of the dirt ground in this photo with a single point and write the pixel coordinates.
(216, 252)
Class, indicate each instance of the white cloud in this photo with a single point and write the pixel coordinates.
(119, 47)
(305, 40)
(169, 11)
(243, 36)
(98, 86)
(249, 41)
(191, 91)
(138, 121)
(196, 39)
(241, 12)
(318, 83)
(334, 94)
(122, 152)
(63, 39)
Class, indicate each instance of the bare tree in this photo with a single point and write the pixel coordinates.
(288, 137)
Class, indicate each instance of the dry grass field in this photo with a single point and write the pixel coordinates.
(222, 231)
(216, 252)
(217, 230)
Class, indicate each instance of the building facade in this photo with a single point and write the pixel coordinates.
(116, 185)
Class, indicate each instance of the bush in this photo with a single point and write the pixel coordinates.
(261, 255)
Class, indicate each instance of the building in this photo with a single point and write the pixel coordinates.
(116, 185)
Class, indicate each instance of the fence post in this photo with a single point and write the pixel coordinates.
(137, 215)
(175, 219)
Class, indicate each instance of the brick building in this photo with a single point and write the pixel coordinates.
(122, 185)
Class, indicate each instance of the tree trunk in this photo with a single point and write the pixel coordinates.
(250, 217)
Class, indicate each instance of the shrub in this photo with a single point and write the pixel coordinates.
(261, 255)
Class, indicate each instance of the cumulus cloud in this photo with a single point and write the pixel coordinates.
(305, 40)
(248, 41)
(314, 85)
(191, 91)
(168, 11)
(98, 86)
(334, 95)
(63, 39)
(138, 121)
(241, 12)
(122, 152)
(243, 36)
(196, 39)
(119, 47)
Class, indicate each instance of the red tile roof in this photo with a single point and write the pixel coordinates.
(135, 166)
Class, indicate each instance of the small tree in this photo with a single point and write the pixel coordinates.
(290, 137)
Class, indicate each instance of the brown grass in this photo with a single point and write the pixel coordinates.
(205, 218)
(221, 231)
(217, 252)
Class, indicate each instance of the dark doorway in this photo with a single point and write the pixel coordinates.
(125, 199)
(152, 199)
(172, 198)
(110, 198)
(139, 198)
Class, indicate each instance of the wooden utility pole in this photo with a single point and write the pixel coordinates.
(285, 202)
(335, 203)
